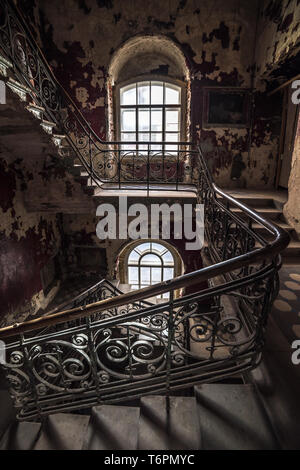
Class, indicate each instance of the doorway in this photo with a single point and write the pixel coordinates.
(287, 138)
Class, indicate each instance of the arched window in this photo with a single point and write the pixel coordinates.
(148, 264)
(150, 111)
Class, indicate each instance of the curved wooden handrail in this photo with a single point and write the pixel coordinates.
(267, 252)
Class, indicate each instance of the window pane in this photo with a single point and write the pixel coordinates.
(157, 137)
(172, 120)
(168, 258)
(132, 274)
(143, 247)
(128, 137)
(156, 120)
(157, 93)
(145, 275)
(144, 93)
(143, 138)
(128, 95)
(156, 275)
(168, 273)
(151, 259)
(133, 257)
(172, 95)
(128, 120)
(159, 248)
(129, 148)
(144, 120)
(171, 138)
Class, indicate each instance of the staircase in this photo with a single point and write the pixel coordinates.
(109, 370)
(217, 416)
(43, 150)
(269, 204)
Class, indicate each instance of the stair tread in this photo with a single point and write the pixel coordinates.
(283, 225)
(173, 427)
(20, 436)
(63, 431)
(113, 428)
(259, 209)
(294, 243)
(232, 418)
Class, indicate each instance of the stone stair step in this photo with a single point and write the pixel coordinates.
(113, 428)
(169, 424)
(36, 110)
(48, 126)
(232, 418)
(63, 431)
(5, 65)
(18, 88)
(260, 228)
(266, 212)
(20, 436)
(293, 249)
(254, 202)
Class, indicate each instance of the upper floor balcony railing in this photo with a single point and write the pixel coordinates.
(107, 162)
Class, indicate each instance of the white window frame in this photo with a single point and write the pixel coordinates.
(139, 264)
(152, 78)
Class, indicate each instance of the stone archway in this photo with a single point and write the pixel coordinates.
(146, 55)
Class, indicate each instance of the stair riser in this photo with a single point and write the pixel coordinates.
(256, 202)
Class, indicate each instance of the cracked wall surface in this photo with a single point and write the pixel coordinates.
(221, 42)
(292, 208)
(27, 241)
(217, 39)
(278, 36)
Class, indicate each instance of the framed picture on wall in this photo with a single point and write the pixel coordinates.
(226, 107)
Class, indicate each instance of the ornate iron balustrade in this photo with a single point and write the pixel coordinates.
(117, 163)
(121, 347)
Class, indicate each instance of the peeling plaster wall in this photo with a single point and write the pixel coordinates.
(80, 38)
(278, 37)
(27, 242)
(292, 208)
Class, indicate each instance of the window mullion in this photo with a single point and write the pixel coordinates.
(164, 118)
(136, 119)
(150, 106)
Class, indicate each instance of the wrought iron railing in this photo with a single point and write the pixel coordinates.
(121, 347)
(118, 349)
(117, 163)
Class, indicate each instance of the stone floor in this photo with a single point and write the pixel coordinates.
(277, 378)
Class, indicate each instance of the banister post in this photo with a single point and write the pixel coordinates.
(170, 340)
